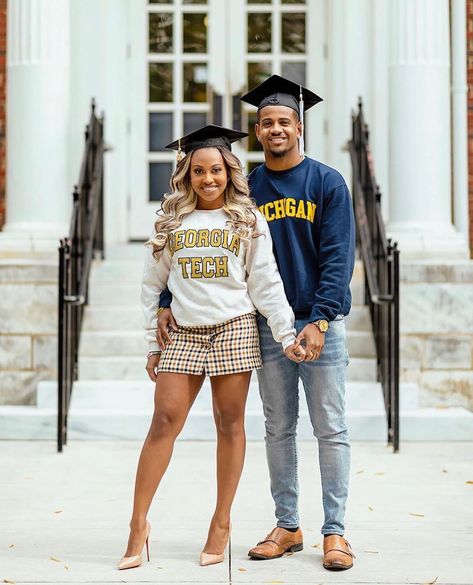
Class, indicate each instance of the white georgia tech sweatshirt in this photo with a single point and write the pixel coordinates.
(215, 276)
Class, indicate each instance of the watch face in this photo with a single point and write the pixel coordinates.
(323, 325)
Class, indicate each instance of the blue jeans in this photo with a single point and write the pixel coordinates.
(324, 385)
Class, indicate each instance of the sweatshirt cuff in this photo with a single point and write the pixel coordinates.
(153, 346)
(287, 341)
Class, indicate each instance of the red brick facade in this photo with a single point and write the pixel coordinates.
(469, 17)
(3, 91)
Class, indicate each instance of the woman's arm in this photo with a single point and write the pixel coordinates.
(265, 286)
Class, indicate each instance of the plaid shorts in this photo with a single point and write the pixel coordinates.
(214, 350)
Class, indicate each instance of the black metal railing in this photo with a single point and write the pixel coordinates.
(381, 269)
(84, 242)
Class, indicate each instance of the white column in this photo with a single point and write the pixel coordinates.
(459, 117)
(38, 191)
(419, 131)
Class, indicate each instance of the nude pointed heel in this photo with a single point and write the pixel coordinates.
(207, 559)
(136, 560)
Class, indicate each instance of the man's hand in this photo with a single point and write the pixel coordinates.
(165, 320)
(314, 341)
(152, 365)
(295, 352)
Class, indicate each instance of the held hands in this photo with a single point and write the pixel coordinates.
(165, 320)
(313, 340)
(295, 352)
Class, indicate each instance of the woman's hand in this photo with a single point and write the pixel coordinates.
(165, 320)
(152, 366)
(295, 352)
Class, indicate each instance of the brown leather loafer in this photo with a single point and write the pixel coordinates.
(278, 542)
(338, 555)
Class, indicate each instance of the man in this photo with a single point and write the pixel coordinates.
(308, 207)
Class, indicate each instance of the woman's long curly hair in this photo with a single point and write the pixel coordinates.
(182, 200)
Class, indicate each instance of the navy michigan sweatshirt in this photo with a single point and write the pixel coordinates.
(310, 216)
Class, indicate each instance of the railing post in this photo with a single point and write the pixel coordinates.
(396, 344)
(60, 353)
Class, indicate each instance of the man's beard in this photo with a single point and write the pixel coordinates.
(278, 153)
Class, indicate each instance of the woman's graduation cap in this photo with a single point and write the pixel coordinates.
(278, 91)
(208, 136)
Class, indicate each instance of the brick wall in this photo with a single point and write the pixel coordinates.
(469, 17)
(3, 72)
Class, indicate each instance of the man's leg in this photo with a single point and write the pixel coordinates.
(324, 385)
(278, 385)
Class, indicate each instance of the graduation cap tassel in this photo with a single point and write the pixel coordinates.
(301, 118)
(179, 152)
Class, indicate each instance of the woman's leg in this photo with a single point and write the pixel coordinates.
(173, 398)
(229, 395)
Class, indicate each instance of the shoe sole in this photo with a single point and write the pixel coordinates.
(292, 549)
(336, 567)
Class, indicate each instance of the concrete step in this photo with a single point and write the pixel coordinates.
(424, 424)
(133, 368)
(126, 318)
(121, 394)
(132, 343)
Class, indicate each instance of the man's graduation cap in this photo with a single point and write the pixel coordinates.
(278, 91)
(206, 137)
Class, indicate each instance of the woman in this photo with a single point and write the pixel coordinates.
(212, 248)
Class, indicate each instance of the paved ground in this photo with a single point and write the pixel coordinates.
(63, 518)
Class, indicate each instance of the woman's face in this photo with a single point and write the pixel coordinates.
(209, 177)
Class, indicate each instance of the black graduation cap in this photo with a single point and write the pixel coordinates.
(278, 91)
(210, 135)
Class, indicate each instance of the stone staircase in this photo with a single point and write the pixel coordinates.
(113, 398)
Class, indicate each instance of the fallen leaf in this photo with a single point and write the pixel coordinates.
(55, 560)
(66, 567)
(373, 552)
(418, 515)
(444, 471)
(431, 582)
(242, 569)
(11, 546)
(370, 508)
(159, 567)
(380, 473)
(469, 482)
(8, 581)
(57, 511)
(361, 471)
(316, 545)
(309, 530)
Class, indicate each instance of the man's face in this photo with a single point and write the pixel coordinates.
(278, 130)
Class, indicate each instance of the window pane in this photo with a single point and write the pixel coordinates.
(293, 32)
(252, 165)
(253, 143)
(161, 1)
(159, 175)
(195, 82)
(194, 33)
(257, 73)
(160, 82)
(194, 1)
(259, 1)
(160, 131)
(292, 1)
(193, 121)
(160, 32)
(259, 32)
(295, 72)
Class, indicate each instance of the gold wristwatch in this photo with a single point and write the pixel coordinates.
(322, 324)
